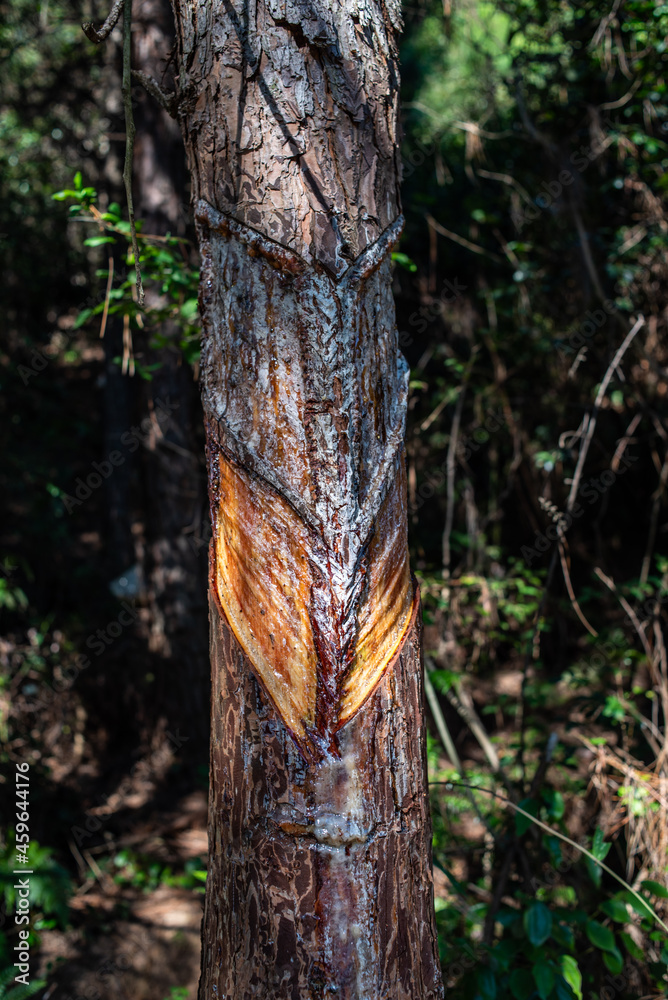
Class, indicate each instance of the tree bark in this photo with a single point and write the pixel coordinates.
(320, 881)
(320, 877)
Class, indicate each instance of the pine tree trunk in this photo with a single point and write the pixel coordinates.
(320, 879)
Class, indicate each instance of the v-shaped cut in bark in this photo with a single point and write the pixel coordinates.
(284, 614)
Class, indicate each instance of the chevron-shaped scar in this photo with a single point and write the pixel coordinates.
(307, 392)
(286, 617)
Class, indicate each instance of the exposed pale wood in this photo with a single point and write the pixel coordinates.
(320, 881)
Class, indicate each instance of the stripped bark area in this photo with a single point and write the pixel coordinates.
(320, 876)
(319, 827)
(306, 409)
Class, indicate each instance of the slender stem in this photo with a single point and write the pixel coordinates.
(441, 724)
(572, 496)
(561, 836)
(130, 139)
(100, 35)
(165, 99)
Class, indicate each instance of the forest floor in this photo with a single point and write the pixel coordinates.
(128, 936)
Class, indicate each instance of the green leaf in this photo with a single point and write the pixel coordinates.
(613, 961)
(640, 906)
(403, 260)
(555, 803)
(655, 888)
(543, 975)
(522, 823)
(189, 309)
(616, 910)
(571, 973)
(593, 870)
(599, 847)
(633, 949)
(82, 318)
(538, 924)
(563, 990)
(443, 680)
(563, 935)
(487, 984)
(77, 180)
(521, 984)
(23, 991)
(600, 936)
(98, 241)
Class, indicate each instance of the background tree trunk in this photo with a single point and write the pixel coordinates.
(320, 881)
(174, 482)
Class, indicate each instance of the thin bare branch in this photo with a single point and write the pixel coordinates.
(654, 521)
(107, 297)
(626, 343)
(441, 724)
(98, 35)
(130, 140)
(450, 467)
(166, 99)
(571, 593)
(633, 618)
(507, 179)
(463, 705)
(460, 240)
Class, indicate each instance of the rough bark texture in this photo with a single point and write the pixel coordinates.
(320, 881)
(320, 876)
(290, 115)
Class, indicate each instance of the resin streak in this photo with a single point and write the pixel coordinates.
(306, 400)
(319, 884)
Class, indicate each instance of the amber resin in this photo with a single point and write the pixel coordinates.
(265, 579)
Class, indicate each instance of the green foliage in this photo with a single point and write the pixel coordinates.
(537, 134)
(147, 874)
(50, 884)
(50, 116)
(18, 991)
(11, 597)
(170, 313)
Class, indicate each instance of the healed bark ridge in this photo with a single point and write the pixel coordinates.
(291, 114)
(306, 405)
(290, 107)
